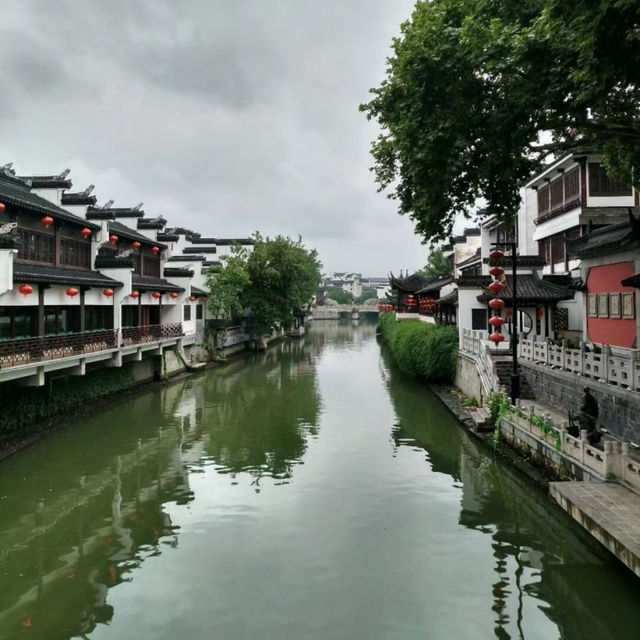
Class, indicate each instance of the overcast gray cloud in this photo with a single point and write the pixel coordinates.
(227, 116)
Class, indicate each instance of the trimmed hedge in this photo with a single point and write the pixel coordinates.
(422, 350)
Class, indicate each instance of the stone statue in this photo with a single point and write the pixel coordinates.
(586, 419)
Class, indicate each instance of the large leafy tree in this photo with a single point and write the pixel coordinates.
(437, 267)
(340, 296)
(268, 286)
(480, 93)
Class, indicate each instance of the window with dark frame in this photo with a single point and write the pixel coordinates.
(600, 184)
(187, 312)
(199, 312)
(36, 247)
(479, 320)
(75, 253)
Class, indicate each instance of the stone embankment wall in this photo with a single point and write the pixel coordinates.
(619, 409)
(468, 379)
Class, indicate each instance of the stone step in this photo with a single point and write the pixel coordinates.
(481, 419)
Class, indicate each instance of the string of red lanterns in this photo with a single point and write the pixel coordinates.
(496, 287)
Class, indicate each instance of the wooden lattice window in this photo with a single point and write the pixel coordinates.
(544, 250)
(557, 249)
(557, 194)
(543, 200)
(479, 319)
(75, 253)
(151, 266)
(561, 319)
(572, 185)
(600, 184)
(36, 247)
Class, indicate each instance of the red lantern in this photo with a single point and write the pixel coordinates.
(496, 287)
(25, 289)
(72, 292)
(496, 255)
(136, 245)
(496, 272)
(496, 321)
(113, 239)
(157, 295)
(2, 207)
(85, 233)
(155, 249)
(134, 294)
(496, 337)
(108, 292)
(192, 298)
(173, 294)
(46, 222)
(496, 303)
(540, 313)
(203, 299)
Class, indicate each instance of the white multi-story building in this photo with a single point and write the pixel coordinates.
(83, 285)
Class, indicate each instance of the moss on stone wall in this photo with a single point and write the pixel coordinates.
(24, 409)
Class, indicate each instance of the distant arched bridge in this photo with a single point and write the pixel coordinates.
(333, 312)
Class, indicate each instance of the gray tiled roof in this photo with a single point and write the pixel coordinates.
(14, 192)
(146, 283)
(55, 275)
(123, 231)
(531, 289)
(607, 239)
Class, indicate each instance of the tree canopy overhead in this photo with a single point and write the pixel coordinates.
(478, 94)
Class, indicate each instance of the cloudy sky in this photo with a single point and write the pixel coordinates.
(226, 116)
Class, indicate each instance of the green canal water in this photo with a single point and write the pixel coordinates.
(309, 492)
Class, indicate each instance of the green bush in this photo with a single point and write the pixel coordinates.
(422, 350)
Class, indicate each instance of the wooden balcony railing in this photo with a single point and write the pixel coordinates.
(22, 351)
(151, 333)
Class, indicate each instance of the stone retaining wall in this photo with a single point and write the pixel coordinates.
(619, 408)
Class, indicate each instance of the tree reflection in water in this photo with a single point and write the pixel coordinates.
(258, 418)
(541, 558)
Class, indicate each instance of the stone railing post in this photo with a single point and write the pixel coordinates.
(604, 363)
(633, 359)
(563, 355)
(583, 443)
(582, 352)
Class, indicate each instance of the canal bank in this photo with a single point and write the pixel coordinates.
(31, 412)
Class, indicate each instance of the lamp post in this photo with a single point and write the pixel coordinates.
(515, 375)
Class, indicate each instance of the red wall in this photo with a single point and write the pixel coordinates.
(614, 331)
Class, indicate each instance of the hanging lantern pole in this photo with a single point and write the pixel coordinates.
(515, 376)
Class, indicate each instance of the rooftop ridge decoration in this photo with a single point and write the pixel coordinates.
(80, 197)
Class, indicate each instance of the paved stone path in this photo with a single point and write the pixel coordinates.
(609, 511)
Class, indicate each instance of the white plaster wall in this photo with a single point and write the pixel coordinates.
(464, 250)
(467, 300)
(556, 225)
(52, 195)
(6, 271)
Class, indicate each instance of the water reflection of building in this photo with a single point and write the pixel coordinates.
(101, 518)
(542, 562)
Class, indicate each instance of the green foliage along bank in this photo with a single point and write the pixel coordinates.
(24, 409)
(422, 350)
